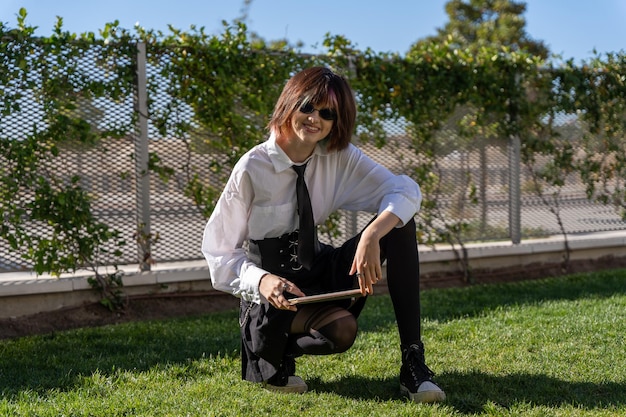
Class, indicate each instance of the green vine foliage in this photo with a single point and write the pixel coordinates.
(31, 190)
(427, 89)
(231, 82)
(597, 92)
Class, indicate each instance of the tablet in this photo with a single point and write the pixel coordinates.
(325, 297)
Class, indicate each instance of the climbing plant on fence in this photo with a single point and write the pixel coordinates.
(495, 94)
(231, 87)
(231, 83)
(45, 71)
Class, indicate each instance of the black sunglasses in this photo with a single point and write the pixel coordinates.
(326, 114)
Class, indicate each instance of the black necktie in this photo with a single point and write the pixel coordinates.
(306, 233)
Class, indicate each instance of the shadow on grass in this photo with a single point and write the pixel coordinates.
(62, 360)
(470, 393)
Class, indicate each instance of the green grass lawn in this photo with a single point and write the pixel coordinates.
(552, 347)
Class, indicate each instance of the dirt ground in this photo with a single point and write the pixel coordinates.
(93, 315)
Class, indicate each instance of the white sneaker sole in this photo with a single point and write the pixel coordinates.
(426, 393)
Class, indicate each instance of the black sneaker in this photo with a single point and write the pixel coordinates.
(284, 380)
(416, 378)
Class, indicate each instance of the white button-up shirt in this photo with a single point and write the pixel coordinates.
(259, 201)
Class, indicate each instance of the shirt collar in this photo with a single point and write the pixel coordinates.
(279, 158)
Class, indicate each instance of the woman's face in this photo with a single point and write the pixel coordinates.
(312, 123)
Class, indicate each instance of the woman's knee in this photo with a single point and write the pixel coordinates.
(341, 333)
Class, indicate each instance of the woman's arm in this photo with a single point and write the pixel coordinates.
(366, 263)
(222, 244)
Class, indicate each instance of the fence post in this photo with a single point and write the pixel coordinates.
(515, 162)
(141, 160)
(515, 210)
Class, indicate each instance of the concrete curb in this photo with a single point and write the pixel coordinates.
(25, 293)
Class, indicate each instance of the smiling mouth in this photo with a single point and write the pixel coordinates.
(312, 129)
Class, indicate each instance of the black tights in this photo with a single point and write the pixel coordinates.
(399, 248)
(321, 330)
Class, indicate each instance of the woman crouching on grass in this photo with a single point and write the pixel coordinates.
(261, 245)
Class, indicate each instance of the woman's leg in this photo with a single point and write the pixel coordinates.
(399, 248)
(321, 329)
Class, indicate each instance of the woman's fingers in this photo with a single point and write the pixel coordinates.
(367, 278)
(279, 299)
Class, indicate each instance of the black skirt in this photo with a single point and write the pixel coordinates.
(265, 329)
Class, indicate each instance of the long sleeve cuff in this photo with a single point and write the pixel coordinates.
(250, 283)
(400, 206)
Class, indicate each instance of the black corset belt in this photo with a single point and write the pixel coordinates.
(279, 254)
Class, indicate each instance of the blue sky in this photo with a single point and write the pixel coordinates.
(570, 28)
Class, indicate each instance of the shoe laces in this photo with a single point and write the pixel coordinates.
(414, 360)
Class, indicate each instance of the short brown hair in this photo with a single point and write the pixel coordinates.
(320, 86)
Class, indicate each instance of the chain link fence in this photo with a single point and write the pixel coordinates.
(155, 216)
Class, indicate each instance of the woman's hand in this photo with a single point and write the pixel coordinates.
(273, 287)
(366, 264)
